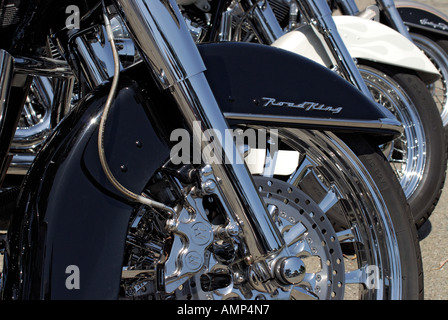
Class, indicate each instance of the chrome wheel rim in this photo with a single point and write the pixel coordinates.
(438, 89)
(407, 153)
(331, 216)
(325, 209)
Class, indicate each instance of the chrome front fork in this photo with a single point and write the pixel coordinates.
(168, 49)
(349, 7)
(388, 8)
(318, 14)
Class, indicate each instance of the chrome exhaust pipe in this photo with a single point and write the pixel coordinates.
(52, 95)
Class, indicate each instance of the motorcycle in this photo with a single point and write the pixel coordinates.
(389, 68)
(423, 17)
(429, 42)
(108, 211)
(427, 27)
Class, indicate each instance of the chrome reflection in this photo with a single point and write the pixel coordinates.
(407, 153)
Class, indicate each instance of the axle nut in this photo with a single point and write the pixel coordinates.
(290, 270)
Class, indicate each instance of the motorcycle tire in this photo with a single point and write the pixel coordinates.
(418, 157)
(341, 210)
(401, 215)
(437, 52)
(379, 170)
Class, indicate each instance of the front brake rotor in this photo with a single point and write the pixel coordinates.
(308, 235)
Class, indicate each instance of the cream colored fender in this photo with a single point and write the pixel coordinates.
(365, 39)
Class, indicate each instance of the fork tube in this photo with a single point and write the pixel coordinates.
(220, 18)
(390, 11)
(318, 13)
(160, 32)
(266, 22)
(387, 7)
(348, 7)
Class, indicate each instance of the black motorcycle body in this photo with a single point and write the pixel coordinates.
(68, 214)
(420, 16)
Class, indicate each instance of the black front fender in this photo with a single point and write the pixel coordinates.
(68, 214)
(424, 17)
(270, 86)
(70, 218)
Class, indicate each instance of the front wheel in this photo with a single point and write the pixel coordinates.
(418, 156)
(403, 220)
(438, 54)
(338, 207)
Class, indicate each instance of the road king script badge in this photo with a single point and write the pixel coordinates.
(307, 106)
(440, 25)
